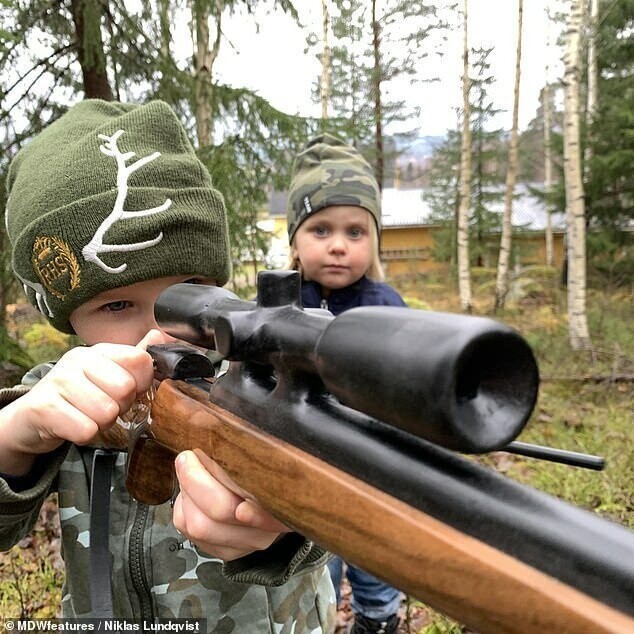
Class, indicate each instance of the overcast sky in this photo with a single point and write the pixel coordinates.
(272, 61)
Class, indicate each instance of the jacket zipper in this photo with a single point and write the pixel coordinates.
(137, 562)
(323, 304)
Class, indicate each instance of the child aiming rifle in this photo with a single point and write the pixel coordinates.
(107, 207)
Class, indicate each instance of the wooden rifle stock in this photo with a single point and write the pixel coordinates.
(455, 573)
(337, 446)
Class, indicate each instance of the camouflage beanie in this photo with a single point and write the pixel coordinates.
(109, 195)
(328, 172)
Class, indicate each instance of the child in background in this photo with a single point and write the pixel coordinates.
(334, 219)
(107, 207)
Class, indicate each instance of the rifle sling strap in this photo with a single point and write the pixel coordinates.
(100, 566)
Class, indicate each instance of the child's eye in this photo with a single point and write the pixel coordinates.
(320, 231)
(355, 232)
(116, 307)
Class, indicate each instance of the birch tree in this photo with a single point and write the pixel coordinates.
(575, 208)
(464, 273)
(548, 168)
(325, 62)
(593, 75)
(502, 281)
(547, 109)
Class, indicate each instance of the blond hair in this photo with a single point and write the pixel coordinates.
(375, 270)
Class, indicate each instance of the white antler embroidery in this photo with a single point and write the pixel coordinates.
(96, 246)
(40, 295)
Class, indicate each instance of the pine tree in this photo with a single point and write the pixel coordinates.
(132, 54)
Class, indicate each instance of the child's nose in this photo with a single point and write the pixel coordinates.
(337, 244)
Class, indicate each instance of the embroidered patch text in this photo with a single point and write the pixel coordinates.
(55, 265)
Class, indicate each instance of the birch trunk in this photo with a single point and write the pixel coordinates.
(593, 75)
(575, 209)
(378, 110)
(502, 282)
(204, 59)
(464, 273)
(548, 154)
(548, 169)
(325, 63)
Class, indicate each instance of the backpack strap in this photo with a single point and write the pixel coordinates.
(100, 565)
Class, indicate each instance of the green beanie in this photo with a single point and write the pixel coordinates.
(328, 172)
(109, 195)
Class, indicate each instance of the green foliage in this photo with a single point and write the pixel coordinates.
(610, 255)
(45, 343)
(610, 187)
(599, 424)
(12, 352)
(255, 154)
(442, 625)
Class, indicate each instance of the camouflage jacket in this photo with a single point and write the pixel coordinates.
(156, 573)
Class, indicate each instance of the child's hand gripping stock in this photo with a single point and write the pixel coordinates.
(83, 395)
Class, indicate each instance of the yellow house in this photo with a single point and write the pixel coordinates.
(408, 238)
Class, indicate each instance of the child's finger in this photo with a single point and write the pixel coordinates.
(220, 539)
(249, 512)
(212, 498)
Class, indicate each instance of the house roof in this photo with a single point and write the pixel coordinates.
(406, 208)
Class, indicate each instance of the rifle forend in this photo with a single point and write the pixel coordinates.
(465, 383)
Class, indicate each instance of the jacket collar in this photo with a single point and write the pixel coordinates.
(338, 300)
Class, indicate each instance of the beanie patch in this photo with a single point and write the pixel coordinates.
(56, 266)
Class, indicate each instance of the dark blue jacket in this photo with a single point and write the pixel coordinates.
(365, 292)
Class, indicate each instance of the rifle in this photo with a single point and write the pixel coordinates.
(346, 429)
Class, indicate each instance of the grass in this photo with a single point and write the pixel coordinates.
(584, 405)
(32, 572)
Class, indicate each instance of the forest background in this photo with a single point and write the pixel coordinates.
(56, 52)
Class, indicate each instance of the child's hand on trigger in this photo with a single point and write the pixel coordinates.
(215, 514)
(83, 394)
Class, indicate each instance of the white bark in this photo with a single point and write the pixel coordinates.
(575, 208)
(502, 281)
(548, 155)
(325, 63)
(593, 74)
(548, 169)
(464, 273)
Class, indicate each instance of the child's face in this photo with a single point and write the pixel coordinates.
(334, 246)
(126, 314)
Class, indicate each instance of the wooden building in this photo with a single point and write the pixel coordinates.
(408, 237)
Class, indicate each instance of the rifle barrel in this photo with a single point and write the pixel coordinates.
(563, 456)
